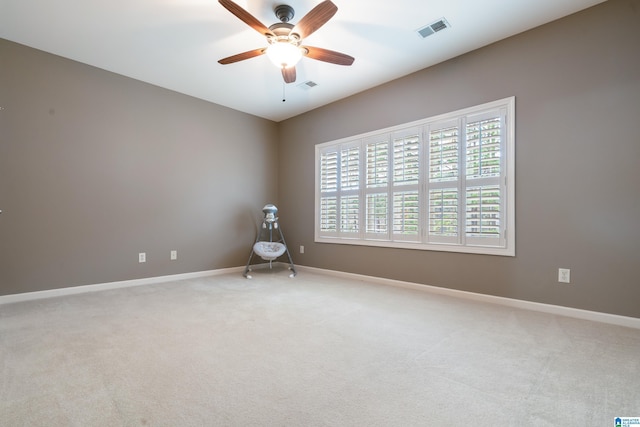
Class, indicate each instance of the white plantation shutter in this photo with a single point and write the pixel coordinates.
(328, 176)
(405, 184)
(350, 214)
(339, 200)
(377, 215)
(443, 215)
(483, 147)
(443, 184)
(349, 206)
(377, 163)
(329, 214)
(350, 168)
(444, 152)
(329, 171)
(377, 181)
(406, 215)
(485, 176)
(483, 211)
(406, 159)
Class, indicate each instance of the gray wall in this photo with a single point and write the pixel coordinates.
(577, 88)
(96, 167)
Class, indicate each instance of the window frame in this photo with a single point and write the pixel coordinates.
(463, 242)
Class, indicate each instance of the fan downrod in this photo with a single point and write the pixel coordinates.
(284, 13)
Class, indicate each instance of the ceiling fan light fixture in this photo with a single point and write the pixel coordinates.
(284, 54)
(284, 39)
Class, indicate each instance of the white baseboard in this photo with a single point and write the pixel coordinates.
(28, 296)
(595, 316)
(72, 290)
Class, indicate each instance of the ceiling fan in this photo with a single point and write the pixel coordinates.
(284, 39)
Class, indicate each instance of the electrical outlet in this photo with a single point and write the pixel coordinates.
(142, 257)
(174, 255)
(301, 249)
(564, 275)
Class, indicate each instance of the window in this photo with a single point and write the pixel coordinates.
(443, 183)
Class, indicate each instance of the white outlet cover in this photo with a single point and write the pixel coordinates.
(564, 275)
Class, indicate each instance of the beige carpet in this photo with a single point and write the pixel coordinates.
(309, 351)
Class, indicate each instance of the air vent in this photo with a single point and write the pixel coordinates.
(433, 28)
(308, 85)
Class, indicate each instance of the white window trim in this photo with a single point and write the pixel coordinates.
(363, 239)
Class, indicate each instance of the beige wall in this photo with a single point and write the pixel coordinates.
(577, 88)
(96, 167)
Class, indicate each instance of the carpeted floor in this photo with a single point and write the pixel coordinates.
(310, 351)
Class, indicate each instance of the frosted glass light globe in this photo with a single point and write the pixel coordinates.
(284, 54)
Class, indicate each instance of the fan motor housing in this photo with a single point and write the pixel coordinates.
(281, 29)
(284, 12)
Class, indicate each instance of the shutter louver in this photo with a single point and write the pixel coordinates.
(483, 211)
(328, 209)
(377, 181)
(329, 171)
(406, 213)
(444, 160)
(443, 212)
(483, 148)
(406, 160)
(377, 212)
(443, 154)
(349, 214)
(406, 196)
(329, 214)
(483, 194)
(377, 164)
(350, 169)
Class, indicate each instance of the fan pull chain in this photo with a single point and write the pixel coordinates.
(284, 98)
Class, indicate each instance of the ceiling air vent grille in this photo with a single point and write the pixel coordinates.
(433, 28)
(308, 85)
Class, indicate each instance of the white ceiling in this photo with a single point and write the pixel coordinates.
(176, 44)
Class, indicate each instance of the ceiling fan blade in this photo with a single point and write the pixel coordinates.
(289, 74)
(242, 56)
(316, 18)
(327, 55)
(246, 17)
